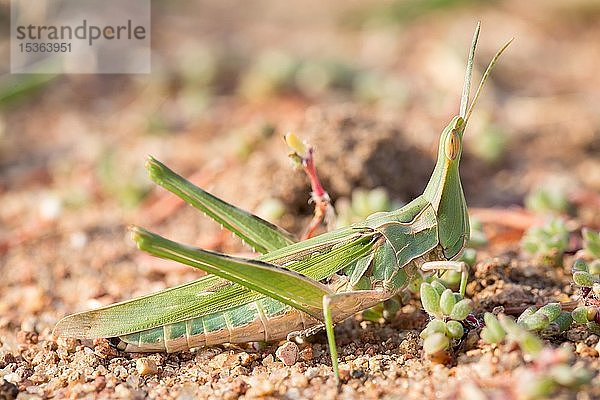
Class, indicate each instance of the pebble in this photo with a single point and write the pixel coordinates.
(6, 358)
(307, 354)
(298, 380)
(219, 361)
(123, 392)
(8, 390)
(586, 350)
(146, 366)
(247, 359)
(68, 344)
(311, 373)
(25, 337)
(288, 353)
(268, 360)
(260, 388)
(344, 372)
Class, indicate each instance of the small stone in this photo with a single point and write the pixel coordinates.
(260, 388)
(69, 344)
(8, 390)
(99, 383)
(311, 373)
(146, 366)
(13, 377)
(219, 361)
(586, 350)
(307, 354)
(25, 337)
(6, 358)
(120, 372)
(239, 386)
(288, 353)
(357, 373)
(123, 392)
(246, 359)
(268, 360)
(344, 373)
(298, 380)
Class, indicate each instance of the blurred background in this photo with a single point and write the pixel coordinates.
(370, 84)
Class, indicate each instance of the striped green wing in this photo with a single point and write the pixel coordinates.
(211, 294)
(285, 285)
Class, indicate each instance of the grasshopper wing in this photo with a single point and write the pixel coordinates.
(193, 299)
(209, 294)
(285, 285)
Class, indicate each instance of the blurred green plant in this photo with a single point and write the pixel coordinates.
(315, 76)
(271, 73)
(591, 242)
(500, 328)
(547, 243)
(587, 277)
(490, 144)
(270, 209)
(548, 199)
(549, 319)
(551, 367)
(362, 203)
(128, 186)
(401, 11)
(381, 89)
(17, 87)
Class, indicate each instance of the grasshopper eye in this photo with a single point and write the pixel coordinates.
(452, 147)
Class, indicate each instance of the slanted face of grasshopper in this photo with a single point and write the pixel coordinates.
(292, 286)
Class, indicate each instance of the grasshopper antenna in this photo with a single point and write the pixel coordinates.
(464, 100)
(486, 74)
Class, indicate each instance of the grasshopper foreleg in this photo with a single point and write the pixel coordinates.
(458, 266)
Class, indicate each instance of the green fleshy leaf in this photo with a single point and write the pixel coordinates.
(536, 322)
(529, 311)
(551, 310)
(583, 278)
(580, 314)
(447, 301)
(435, 343)
(494, 331)
(455, 329)
(580, 265)
(434, 326)
(461, 309)
(430, 299)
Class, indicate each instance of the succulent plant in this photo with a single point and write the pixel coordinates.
(448, 310)
(548, 199)
(548, 242)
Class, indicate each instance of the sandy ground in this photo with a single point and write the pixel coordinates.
(72, 179)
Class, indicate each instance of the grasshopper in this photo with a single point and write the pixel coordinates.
(292, 287)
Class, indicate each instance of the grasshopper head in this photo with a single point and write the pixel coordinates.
(451, 140)
(444, 190)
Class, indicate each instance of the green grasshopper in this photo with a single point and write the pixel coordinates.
(292, 287)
